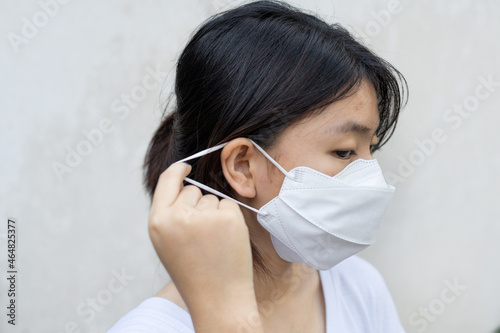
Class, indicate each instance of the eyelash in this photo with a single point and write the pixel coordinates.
(352, 152)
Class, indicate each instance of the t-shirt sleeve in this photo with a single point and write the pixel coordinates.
(155, 314)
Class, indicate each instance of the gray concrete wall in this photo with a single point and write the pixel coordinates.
(89, 76)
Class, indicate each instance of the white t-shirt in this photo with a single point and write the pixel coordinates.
(356, 300)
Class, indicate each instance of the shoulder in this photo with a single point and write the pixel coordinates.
(171, 293)
(155, 314)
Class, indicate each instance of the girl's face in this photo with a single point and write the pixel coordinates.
(326, 142)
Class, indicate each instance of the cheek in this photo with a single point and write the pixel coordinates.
(269, 184)
(331, 166)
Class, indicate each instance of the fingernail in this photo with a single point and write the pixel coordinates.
(186, 162)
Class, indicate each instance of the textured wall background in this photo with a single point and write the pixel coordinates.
(85, 77)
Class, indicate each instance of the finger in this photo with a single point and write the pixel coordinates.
(228, 204)
(170, 184)
(189, 196)
(208, 201)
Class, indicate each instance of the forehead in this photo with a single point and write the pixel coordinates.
(358, 112)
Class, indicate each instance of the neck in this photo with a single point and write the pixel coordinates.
(275, 279)
(279, 284)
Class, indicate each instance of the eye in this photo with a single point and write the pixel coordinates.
(344, 154)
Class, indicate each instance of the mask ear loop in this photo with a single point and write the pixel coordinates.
(211, 190)
(203, 152)
(208, 189)
(286, 173)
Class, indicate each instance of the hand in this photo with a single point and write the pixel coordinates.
(204, 244)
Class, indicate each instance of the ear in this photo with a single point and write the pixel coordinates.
(238, 160)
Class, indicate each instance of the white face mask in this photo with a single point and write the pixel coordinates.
(318, 219)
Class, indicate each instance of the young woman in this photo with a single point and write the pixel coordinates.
(277, 114)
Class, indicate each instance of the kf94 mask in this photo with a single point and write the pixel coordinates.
(318, 219)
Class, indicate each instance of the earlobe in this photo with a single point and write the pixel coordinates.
(238, 160)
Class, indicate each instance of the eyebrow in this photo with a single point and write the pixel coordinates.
(352, 127)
